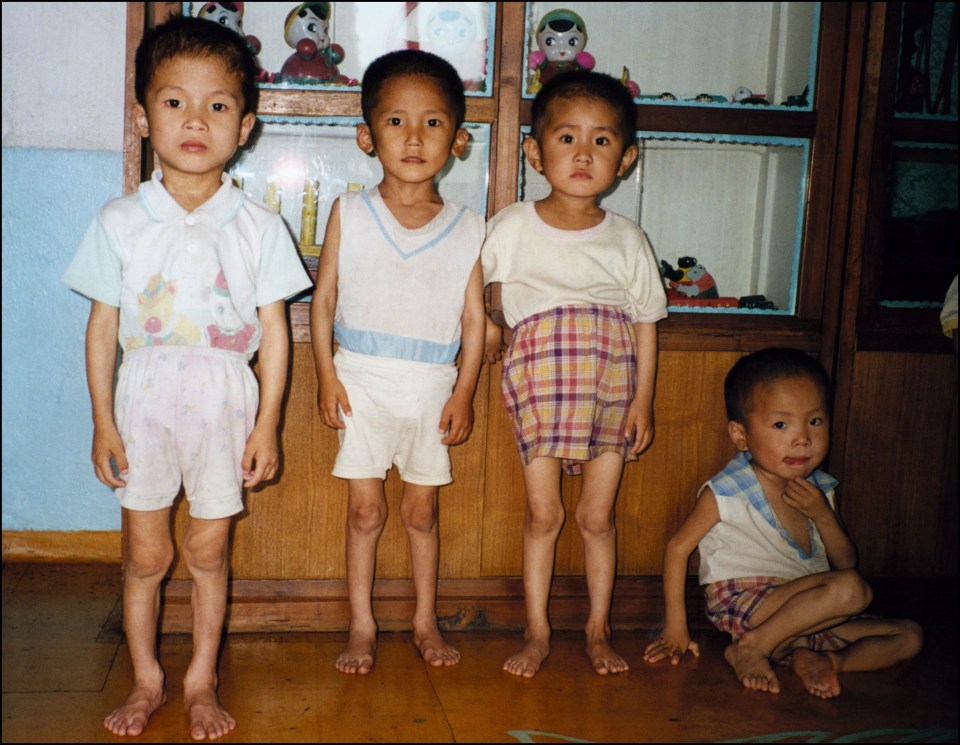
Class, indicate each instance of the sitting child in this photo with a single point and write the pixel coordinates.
(776, 562)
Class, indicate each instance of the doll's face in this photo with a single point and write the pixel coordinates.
(309, 26)
(561, 46)
(450, 28)
(219, 14)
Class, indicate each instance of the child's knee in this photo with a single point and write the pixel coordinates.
(367, 517)
(204, 557)
(911, 634)
(592, 523)
(545, 519)
(421, 518)
(853, 592)
(148, 562)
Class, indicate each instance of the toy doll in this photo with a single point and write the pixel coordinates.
(306, 29)
(231, 16)
(452, 32)
(561, 36)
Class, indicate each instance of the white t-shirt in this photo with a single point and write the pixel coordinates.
(542, 267)
(749, 541)
(400, 291)
(187, 278)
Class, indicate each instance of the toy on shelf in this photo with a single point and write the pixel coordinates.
(561, 37)
(745, 96)
(690, 284)
(454, 33)
(798, 100)
(231, 16)
(306, 29)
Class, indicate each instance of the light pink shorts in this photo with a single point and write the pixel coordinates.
(185, 414)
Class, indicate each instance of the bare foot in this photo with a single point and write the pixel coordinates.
(434, 650)
(208, 719)
(132, 717)
(752, 666)
(359, 654)
(605, 659)
(526, 663)
(817, 673)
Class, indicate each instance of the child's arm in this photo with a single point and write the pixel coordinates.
(640, 415)
(261, 456)
(456, 420)
(330, 393)
(675, 639)
(101, 348)
(493, 341)
(807, 499)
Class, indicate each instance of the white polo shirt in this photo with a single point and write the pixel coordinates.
(187, 278)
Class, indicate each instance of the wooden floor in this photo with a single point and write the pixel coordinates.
(65, 666)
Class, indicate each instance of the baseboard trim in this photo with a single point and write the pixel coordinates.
(257, 606)
(78, 546)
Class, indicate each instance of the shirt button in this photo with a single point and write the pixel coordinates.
(192, 219)
(191, 248)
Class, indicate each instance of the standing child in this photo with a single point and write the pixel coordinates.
(399, 287)
(777, 564)
(581, 290)
(190, 276)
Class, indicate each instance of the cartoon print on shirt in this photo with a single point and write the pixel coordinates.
(228, 330)
(161, 326)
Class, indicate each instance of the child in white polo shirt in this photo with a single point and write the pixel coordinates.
(190, 276)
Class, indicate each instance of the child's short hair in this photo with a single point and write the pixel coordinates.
(763, 367)
(198, 38)
(585, 84)
(412, 62)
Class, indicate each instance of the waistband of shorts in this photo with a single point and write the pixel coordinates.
(186, 350)
(572, 311)
(391, 364)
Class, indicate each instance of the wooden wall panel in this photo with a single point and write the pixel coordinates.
(898, 497)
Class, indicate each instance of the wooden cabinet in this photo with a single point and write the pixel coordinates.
(288, 561)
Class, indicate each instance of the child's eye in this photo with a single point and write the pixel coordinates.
(816, 421)
(219, 107)
(602, 141)
(779, 425)
(567, 139)
(172, 103)
(394, 121)
(433, 122)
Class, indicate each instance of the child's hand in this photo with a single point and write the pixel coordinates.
(331, 400)
(805, 498)
(456, 421)
(260, 457)
(493, 342)
(108, 451)
(639, 426)
(672, 645)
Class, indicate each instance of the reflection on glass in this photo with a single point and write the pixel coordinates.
(715, 54)
(920, 236)
(927, 70)
(733, 204)
(330, 44)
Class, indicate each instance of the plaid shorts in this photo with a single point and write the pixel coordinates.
(730, 603)
(568, 380)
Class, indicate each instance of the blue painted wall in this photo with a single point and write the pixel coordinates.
(49, 198)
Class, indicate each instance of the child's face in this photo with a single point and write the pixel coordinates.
(193, 115)
(412, 130)
(580, 148)
(787, 429)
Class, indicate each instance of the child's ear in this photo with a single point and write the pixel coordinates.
(365, 139)
(140, 119)
(629, 156)
(738, 433)
(246, 127)
(460, 142)
(531, 148)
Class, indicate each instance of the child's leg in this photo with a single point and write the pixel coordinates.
(797, 608)
(874, 644)
(541, 527)
(148, 557)
(418, 510)
(595, 518)
(206, 555)
(366, 516)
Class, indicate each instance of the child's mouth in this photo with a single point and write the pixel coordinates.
(193, 147)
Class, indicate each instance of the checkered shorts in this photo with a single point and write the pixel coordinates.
(730, 603)
(568, 379)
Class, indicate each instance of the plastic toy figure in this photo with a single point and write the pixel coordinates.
(452, 32)
(561, 36)
(690, 278)
(231, 16)
(306, 29)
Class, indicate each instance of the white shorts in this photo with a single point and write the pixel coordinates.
(396, 407)
(185, 414)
